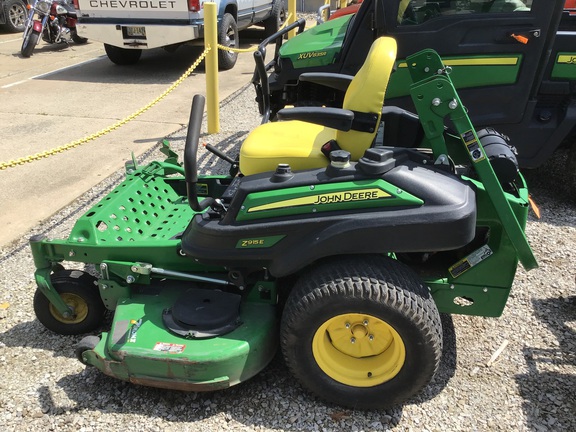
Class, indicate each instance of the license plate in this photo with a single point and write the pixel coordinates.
(136, 31)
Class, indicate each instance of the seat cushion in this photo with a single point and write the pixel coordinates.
(293, 142)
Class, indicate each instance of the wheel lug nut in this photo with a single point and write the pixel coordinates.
(352, 340)
(371, 337)
(347, 325)
(365, 322)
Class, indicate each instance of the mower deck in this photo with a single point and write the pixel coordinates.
(139, 349)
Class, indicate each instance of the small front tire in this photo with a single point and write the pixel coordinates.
(80, 292)
(86, 344)
(362, 332)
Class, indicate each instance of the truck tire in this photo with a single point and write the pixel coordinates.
(277, 17)
(362, 332)
(122, 56)
(227, 36)
(16, 14)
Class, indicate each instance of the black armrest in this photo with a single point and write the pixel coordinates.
(335, 118)
(332, 80)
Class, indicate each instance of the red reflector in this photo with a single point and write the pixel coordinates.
(193, 5)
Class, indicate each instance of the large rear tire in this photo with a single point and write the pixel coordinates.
(227, 36)
(80, 292)
(362, 332)
(122, 56)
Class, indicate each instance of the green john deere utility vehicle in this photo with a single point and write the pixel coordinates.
(513, 61)
(340, 235)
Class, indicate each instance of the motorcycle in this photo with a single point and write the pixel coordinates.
(56, 22)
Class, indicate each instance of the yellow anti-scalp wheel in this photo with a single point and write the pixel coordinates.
(362, 332)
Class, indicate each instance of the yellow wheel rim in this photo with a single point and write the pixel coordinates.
(78, 306)
(358, 350)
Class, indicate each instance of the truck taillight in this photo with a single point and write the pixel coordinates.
(193, 5)
(76, 4)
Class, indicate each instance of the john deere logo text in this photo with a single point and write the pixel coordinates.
(326, 198)
(368, 194)
(309, 55)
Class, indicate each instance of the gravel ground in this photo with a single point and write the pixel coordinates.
(529, 387)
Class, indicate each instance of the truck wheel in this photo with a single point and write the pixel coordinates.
(362, 332)
(122, 56)
(277, 17)
(79, 291)
(227, 36)
(16, 14)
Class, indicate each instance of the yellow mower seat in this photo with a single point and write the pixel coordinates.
(299, 143)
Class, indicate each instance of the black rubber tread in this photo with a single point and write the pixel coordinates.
(369, 284)
(122, 56)
(30, 43)
(20, 7)
(227, 59)
(276, 19)
(86, 344)
(74, 282)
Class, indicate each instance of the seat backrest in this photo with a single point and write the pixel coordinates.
(366, 94)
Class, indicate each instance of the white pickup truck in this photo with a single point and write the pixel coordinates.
(126, 27)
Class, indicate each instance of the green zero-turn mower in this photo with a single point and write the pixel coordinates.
(341, 237)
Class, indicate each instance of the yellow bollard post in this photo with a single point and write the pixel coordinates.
(291, 17)
(211, 40)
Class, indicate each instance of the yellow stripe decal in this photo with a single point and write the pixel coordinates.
(492, 61)
(326, 198)
(567, 59)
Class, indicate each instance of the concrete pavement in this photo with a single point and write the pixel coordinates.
(62, 94)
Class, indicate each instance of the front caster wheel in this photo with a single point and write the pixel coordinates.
(86, 344)
(80, 292)
(362, 332)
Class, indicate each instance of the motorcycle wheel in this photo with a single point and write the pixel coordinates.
(29, 43)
